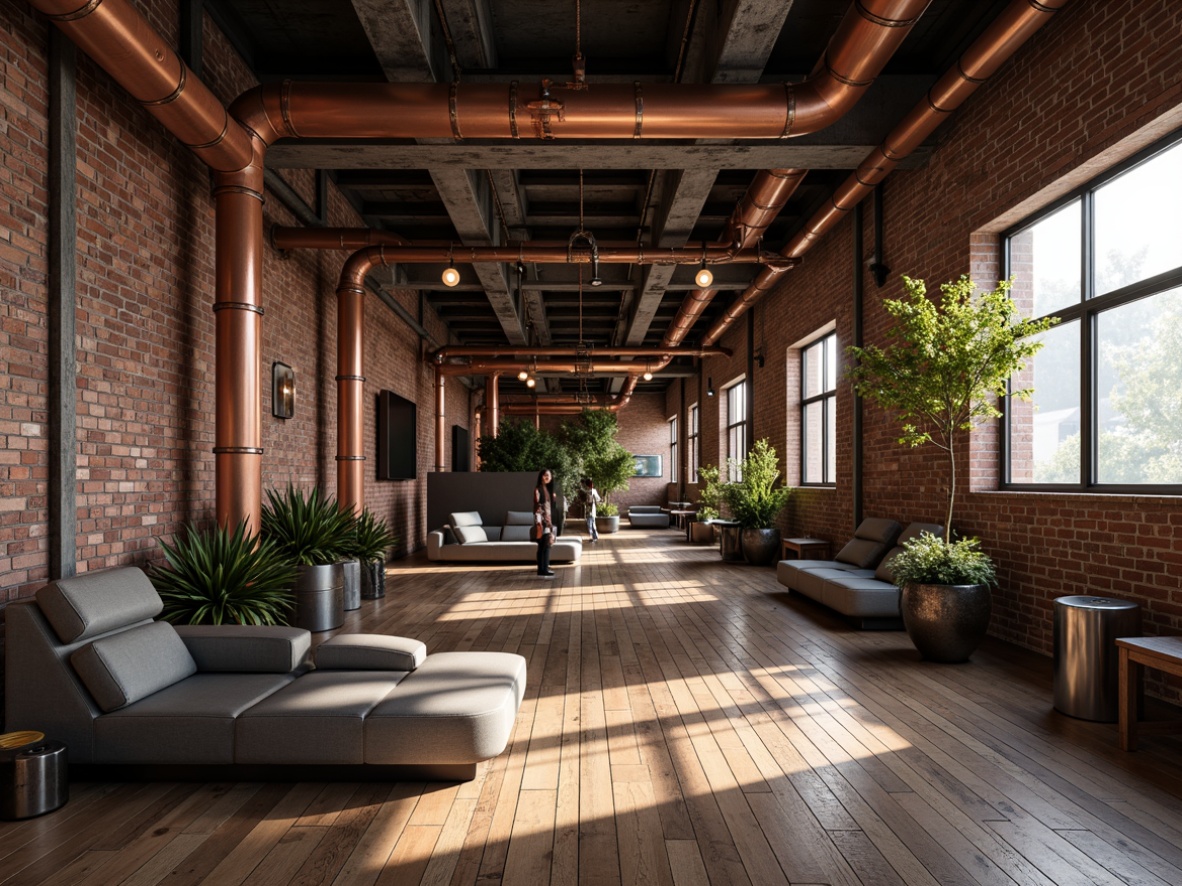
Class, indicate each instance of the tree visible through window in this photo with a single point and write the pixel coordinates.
(692, 441)
(736, 427)
(1107, 407)
(818, 412)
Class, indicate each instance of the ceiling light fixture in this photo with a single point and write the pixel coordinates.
(450, 276)
(531, 382)
(704, 277)
(523, 375)
(648, 372)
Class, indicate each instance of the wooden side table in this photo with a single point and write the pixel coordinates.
(1137, 653)
(804, 549)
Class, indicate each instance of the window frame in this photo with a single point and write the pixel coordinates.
(673, 467)
(734, 428)
(827, 397)
(1087, 310)
(693, 440)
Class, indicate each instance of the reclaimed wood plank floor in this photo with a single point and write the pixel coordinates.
(686, 722)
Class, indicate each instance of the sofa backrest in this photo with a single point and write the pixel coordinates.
(84, 606)
(913, 530)
(872, 539)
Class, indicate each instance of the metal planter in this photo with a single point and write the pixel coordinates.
(319, 597)
(946, 622)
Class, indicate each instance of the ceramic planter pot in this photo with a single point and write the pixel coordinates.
(373, 579)
(702, 533)
(607, 524)
(946, 622)
(761, 547)
(319, 597)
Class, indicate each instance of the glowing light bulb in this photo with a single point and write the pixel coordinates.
(703, 278)
(522, 376)
(530, 382)
(648, 376)
(451, 276)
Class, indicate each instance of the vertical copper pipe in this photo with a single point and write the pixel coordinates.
(350, 395)
(440, 418)
(494, 404)
(238, 312)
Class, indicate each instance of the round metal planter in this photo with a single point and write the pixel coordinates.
(373, 579)
(761, 547)
(319, 597)
(702, 533)
(946, 622)
(607, 524)
(352, 590)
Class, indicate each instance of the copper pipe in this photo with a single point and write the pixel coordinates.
(126, 46)
(350, 397)
(237, 312)
(525, 409)
(494, 412)
(449, 351)
(1005, 34)
(539, 252)
(440, 419)
(549, 367)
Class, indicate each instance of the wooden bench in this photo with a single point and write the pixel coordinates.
(1162, 653)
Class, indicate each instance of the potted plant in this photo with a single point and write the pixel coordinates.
(945, 369)
(313, 533)
(709, 502)
(372, 539)
(944, 595)
(223, 576)
(592, 441)
(755, 501)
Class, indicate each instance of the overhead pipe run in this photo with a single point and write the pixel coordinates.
(1005, 34)
(124, 44)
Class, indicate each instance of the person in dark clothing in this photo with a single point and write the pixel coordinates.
(543, 520)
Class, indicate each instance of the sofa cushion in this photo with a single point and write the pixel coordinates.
(123, 668)
(246, 649)
(519, 518)
(469, 535)
(94, 603)
(370, 652)
(861, 553)
(878, 529)
(516, 533)
(914, 530)
(861, 597)
(464, 518)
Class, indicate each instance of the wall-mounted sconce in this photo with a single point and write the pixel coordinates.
(282, 390)
(710, 387)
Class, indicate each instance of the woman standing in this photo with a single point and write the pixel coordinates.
(543, 524)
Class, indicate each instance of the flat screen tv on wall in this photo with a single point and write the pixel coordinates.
(397, 438)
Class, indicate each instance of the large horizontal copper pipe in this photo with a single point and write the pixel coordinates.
(539, 367)
(545, 409)
(126, 46)
(1010, 30)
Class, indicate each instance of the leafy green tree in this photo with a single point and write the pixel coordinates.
(519, 446)
(948, 364)
(756, 500)
(591, 438)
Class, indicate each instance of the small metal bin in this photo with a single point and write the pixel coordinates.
(33, 779)
(1086, 660)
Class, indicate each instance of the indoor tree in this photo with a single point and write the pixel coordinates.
(947, 363)
(591, 438)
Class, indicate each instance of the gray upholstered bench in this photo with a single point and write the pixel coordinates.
(86, 664)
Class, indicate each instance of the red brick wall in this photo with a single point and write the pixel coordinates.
(145, 326)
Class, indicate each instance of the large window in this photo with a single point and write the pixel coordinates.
(673, 465)
(1107, 407)
(693, 443)
(736, 425)
(818, 412)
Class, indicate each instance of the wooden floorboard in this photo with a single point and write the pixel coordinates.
(686, 722)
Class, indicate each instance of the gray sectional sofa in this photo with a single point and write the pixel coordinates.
(86, 664)
(857, 582)
(468, 536)
(648, 516)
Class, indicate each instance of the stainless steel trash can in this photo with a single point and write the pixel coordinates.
(33, 780)
(1086, 661)
(730, 544)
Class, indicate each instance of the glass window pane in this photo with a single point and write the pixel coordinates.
(831, 362)
(1138, 223)
(812, 370)
(1139, 391)
(831, 439)
(1045, 431)
(1045, 262)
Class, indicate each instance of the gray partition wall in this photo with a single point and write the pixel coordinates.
(492, 494)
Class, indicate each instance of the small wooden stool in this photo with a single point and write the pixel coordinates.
(805, 548)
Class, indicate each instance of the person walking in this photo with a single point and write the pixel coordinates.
(543, 520)
(591, 499)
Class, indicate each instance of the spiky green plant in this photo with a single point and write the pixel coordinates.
(221, 576)
(308, 529)
(372, 538)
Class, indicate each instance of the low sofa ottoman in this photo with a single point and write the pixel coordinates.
(648, 517)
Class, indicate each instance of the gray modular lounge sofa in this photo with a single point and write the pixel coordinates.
(648, 516)
(87, 665)
(469, 537)
(858, 582)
